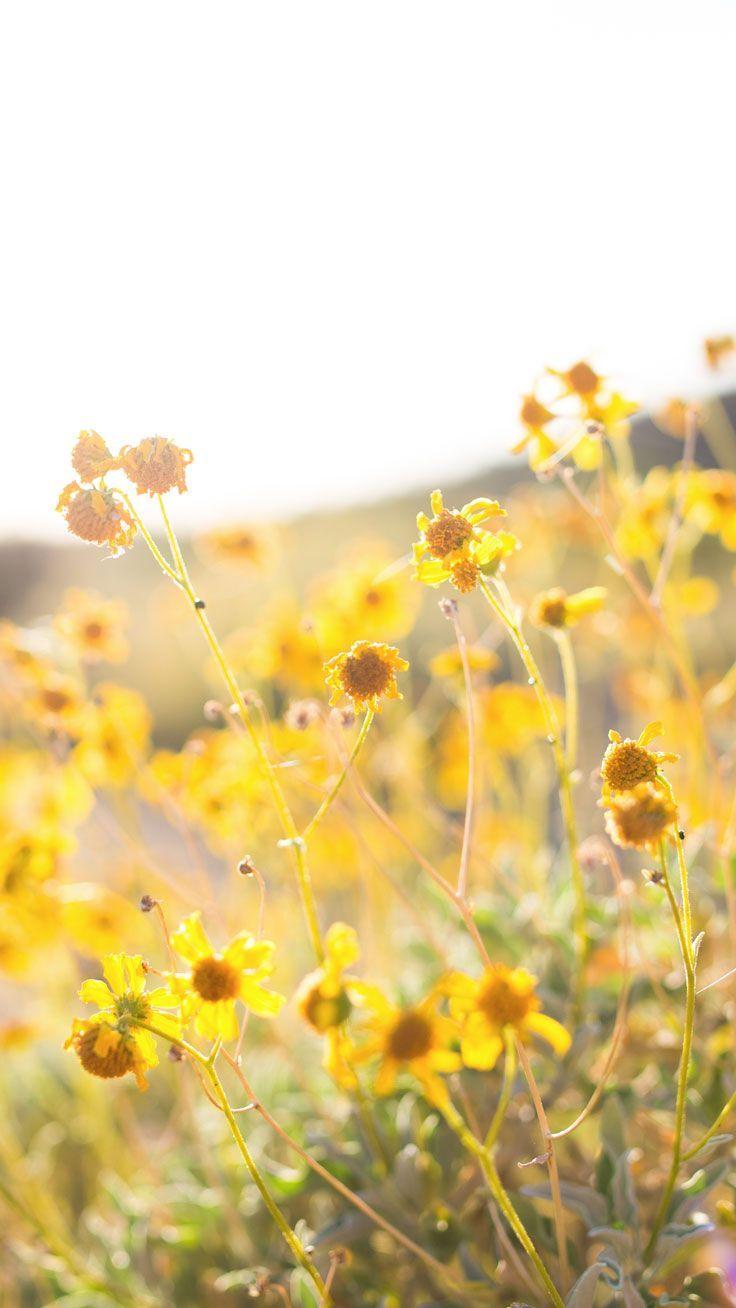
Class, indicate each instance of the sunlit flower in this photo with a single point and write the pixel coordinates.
(91, 459)
(281, 648)
(322, 998)
(555, 608)
(415, 1039)
(535, 417)
(645, 517)
(218, 980)
(502, 999)
(640, 817)
(368, 593)
(675, 415)
(116, 736)
(93, 626)
(240, 544)
(718, 350)
(156, 465)
(710, 502)
(93, 916)
(56, 703)
(96, 515)
(114, 1040)
(366, 673)
(454, 545)
(626, 763)
(448, 663)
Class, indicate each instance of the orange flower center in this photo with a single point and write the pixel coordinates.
(465, 575)
(116, 1062)
(366, 673)
(582, 379)
(550, 609)
(504, 1004)
(446, 533)
(410, 1037)
(215, 978)
(56, 700)
(93, 630)
(626, 764)
(324, 1011)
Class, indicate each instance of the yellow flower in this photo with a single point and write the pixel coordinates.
(322, 998)
(91, 458)
(555, 608)
(367, 593)
(454, 546)
(156, 465)
(415, 1039)
(94, 917)
(282, 648)
(56, 704)
(240, 544)
(217, 981)
(114, 1040)
(626, 763)
(502, 999)
(645, 517)
(710, 503)
(115, 740)
(718, 349)
(535, 417)
(365, 673)
(640, 818)
(674, 417)
(93, 626)
(97, 515)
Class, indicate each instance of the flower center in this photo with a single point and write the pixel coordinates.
(582, 379)
(465, 575)
(214, 979)
(410, 1037)
(116, 1061)
(446, 533)
(326, 1011)
(504, 1004)
(93, 630)
(626, 764)
(366, 674)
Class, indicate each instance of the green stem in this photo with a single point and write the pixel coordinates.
(563, 776)
(570, 677)
(336, 788)
(684, 1067)
(509, 1072)
(495, 1185)
(288, 825)
(712, 1130)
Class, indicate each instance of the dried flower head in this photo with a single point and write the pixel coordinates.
(627, 763)
(641, 817)
(96, 515)
(91, 459)
(555, 608)
(301, 713)
(366, 673)
(156, 465)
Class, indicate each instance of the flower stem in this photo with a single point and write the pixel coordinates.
(336, 788)
(513, 628)
(730, 1103)
(495, 1185)
(570, 677)
(684, 1068)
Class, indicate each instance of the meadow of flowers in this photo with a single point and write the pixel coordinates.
(420, 944)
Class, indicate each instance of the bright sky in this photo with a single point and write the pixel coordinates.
(327, 244)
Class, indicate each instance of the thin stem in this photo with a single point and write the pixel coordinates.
(288, 825)
(570, 678)
(563, 776)
(509, 1072)
(338, 784)
(678, 509)
(711, 1130)
(462, 644)
(684, 1068)
(554, 1175)
(495, 1185)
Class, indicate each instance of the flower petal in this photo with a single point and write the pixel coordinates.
(190, 939)
(550, 1030)
(95, 992)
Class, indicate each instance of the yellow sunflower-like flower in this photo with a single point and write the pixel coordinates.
(626, 763)
(448, 662)
(502, 998)
(366, 673)
(114, 1041)
(555, 608)
(640, 818)
(323, 1001)
(156, 465)
(217, 980)
(93, 626)
(454, 545)
(535, 417)
(97, 515)
(710, 503)
(415, 1039)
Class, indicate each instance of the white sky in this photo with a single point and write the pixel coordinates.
(327, 244)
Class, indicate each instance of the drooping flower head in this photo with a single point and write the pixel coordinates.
(502, 998)
(216, 981)
(322, 998)
(640, 818)
(97, 515)
(156, 465)
(454, 545)
(91, 458)
(114, 1041)
(555, 608)
(366, 673)
(416, 1039)
(626, 763)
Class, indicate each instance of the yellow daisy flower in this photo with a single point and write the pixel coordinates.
(114, 1041)
(454, 546)
(555, 608)
(626, 763)
(365, 673)
(487, 1006)
(535, 417)
(448, 663)
(415, 1039)
(211, 990)
(93, 626)
(323, 1001)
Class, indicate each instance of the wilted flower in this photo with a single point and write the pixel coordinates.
(97, 515)
(114, 1041)
(640, 817)
(156, 465)
(91, 459)
(628, 762)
